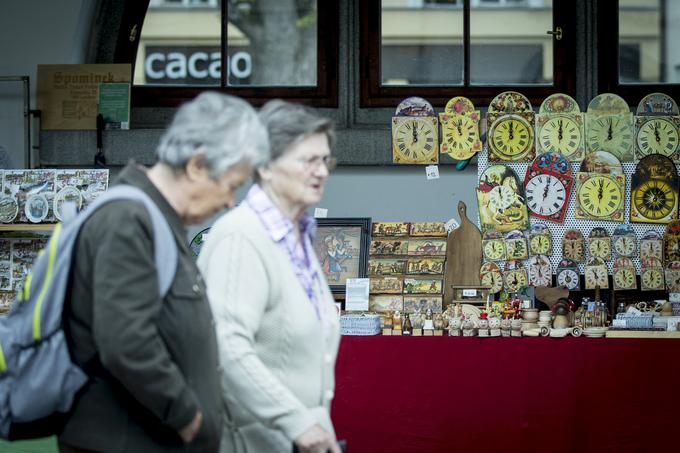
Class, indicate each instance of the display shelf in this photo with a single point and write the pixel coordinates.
(27, 226)
(641, 334)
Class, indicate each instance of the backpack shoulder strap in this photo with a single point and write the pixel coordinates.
(165, 249)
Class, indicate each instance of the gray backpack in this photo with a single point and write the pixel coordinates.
(38, 380)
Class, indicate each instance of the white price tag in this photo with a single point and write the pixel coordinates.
(356, 294)
(320, 213)
(432, 172)
(619, 323)
(451, 225)
(469, 292)
(526, 303)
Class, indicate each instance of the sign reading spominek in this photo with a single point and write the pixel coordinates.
(193, 65)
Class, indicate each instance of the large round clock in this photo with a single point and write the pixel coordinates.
(600, 196)
(546, 195)
(511, 138)
(561, 134)
(414, 140)
(654, 199)
(657, 136)
(611, 133)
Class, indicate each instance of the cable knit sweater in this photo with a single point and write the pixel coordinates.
(277, 362)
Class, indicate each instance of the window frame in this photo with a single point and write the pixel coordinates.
(374, 94)
(608, 60)
(324, 94)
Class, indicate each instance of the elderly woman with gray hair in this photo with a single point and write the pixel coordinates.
(152, 360)
(277, 328)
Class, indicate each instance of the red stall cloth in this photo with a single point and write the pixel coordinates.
(454, 394)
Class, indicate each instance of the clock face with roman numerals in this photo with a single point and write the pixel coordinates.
(460, 137)
(599, 197)
(560, 134)
(511, 138)
(415, 140)
(611, 133)
(657, 136)
(546, 195)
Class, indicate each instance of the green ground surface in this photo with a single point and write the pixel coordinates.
(46, 445)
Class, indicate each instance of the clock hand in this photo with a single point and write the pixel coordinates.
(656, 134)
(559, 131)
(415, 132)
(458, 126)
(600, 189)
(510, 131)
(609, 130)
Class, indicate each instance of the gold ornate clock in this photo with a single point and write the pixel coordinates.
(516, 247)
(599, 244)
(654, 190)
(609, 126)
(510, 121)
(651, 275)
(623, 274)
(596, 274)
(493, 246)
(657, 127)
(573, 246)
(600, 188)
(540, 240)
(460, 130)
(415, 140)
(491, 275)
(560, 127)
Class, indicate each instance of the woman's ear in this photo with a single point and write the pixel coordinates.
(196, 167)
(264, 172)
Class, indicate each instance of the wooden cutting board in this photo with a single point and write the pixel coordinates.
(463, 255)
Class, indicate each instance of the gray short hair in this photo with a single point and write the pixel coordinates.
(224, 129)
(289, 123)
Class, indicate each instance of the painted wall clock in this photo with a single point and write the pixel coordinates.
(567, 275)
(652, 275)
(510, 122)
(493, 246)
(491, 275)
(654, 190)
(540, 271)
(573, 246)
(415, 133)
(560, 127)
(596, 274)
(501, 201)
(460, 130)
(516, 246)
(600, 188)
(672, 275)
(599, 244)
(547, 185)
(623, 274)
(651, 246)
(540, 240)
(671, 240)
(609, 126)
(657, 127)
(515, 276)
(624, 241)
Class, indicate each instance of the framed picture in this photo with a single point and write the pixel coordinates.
(341, 245)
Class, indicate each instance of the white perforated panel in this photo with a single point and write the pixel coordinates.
(570, 222)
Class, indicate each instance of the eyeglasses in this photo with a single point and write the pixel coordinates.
(328, 161)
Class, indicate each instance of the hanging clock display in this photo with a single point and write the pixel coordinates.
(491, 275)
(600, 188)
(651, 246)
(657, 127)
(609, 126)
(516, 247)
(567, 275)
(599, 244)
(460, 130)
(493, 246)
(596, 274)
(540, 240)
(573, 246)
(623, 274)
(540, 271)
(624, 241)
(652, 275)
(672, 275)
(547, 185)
(500, 200)
(510, 122)
(654, 190)
(560, 127)
(515, 277)
(415, 133)
(671, 240)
